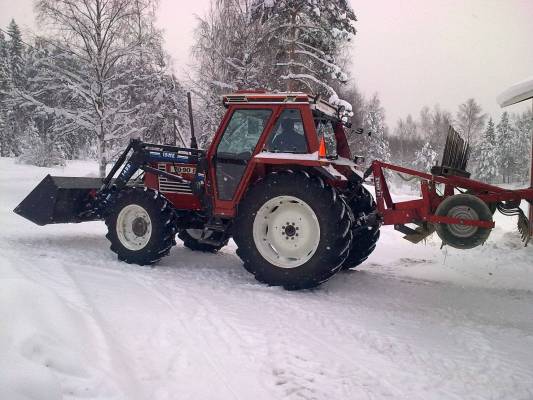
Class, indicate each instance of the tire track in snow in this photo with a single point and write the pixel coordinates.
(198, 346)
(65, 283)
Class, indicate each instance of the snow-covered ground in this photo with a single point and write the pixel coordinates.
(414, 322)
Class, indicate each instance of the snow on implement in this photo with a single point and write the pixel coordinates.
(278, 177)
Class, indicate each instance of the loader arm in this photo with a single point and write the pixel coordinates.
(77, 199)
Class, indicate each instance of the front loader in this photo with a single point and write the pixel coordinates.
(279, 179)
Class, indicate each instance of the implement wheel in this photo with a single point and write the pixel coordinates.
(293, 230)
(467, 207)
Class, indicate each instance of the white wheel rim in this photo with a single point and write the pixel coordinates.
(464, 213)
(286, 231)
(134, 227)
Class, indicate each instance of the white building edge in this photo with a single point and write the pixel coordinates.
(517, 93)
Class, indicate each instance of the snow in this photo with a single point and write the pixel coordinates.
(414, 322)
(518, 92)
(288, 156)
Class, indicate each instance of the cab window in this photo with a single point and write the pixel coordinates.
(325, 129)
(288, 135)
(243, 132)
(236, 147)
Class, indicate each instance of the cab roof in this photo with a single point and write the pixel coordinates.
(263, 97)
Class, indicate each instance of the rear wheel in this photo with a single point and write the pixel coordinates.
(364, 240)
(141, 227)
(466, 207)
(292, 230)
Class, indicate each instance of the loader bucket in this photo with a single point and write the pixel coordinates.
(58, 200)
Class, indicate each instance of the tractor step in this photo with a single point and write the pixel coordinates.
(416, 235)
(215, 225)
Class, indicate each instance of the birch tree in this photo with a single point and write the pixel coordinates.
(99, 34)
(470, 120)
(229, 52)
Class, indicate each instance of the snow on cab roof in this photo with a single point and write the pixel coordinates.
(516, 93)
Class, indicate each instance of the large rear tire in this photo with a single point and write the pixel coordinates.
(364, 240)
(292, 230)
(141, 227)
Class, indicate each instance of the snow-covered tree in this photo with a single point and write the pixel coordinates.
(505, 150)
(425, 158)
(487, 161)
(470, 120)
(406, 132)
(522, 127)
(378, 146)
(4, 92)
(228, 51)
(100, 35)
(155, 93)
(353, 96)
(16, 54)
(305, 38)
(433, 126)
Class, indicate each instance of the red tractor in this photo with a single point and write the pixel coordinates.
(278, 177)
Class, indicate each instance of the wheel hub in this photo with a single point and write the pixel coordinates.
(286, 231)
(463, 212)
(139, 226)
(290, 230)
(134, 227)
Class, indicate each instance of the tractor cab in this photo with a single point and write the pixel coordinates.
(262, 131)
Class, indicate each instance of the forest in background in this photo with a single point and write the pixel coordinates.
(101, 76)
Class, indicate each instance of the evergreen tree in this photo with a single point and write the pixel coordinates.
(522, 127)
(378, 146)
(4, 93)
(16, 55)
(305, 39)
(505, 151)
(487, 162)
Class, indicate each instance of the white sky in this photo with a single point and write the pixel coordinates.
(412, 52)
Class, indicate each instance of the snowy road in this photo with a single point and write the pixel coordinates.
(415, 322)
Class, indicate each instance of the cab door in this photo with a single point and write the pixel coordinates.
(234, 150)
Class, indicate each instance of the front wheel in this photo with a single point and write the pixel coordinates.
(292, 230)
(141, 227)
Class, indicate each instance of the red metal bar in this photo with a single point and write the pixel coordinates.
(456, 181)
(423, 209)
(458, 221)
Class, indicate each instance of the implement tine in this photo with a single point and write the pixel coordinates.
(523, 227)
